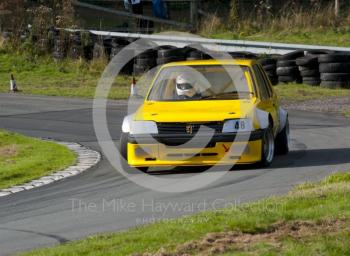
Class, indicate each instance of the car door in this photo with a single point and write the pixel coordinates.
(268, 99)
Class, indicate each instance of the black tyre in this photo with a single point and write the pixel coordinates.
(123, 144)
(166, 53)
(334, 58)
(318, 52)
(267, 61)
(192, 47)
(98, 51)
(75, 52)
(335, 77)
(115, 51)
(287, 71)
(148, 54)
(268, 148)
(282, 140)
(272, 74)
(307, 61)
(161, 61)
(58, 55)
(310, 72)
(292, 55)
(138, 70)
(286, 79)
(314, 81)
(123, 149)
(195, 54)
(274, 81)
(303, 68)
(286, 63)
(270, 67)
(243, 55)
(145, 62)
(335, 67)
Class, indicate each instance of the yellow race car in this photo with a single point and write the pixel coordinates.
(205, 113)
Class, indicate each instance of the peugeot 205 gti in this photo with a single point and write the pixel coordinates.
(205, 113)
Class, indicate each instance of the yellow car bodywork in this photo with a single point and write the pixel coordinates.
(202, 111)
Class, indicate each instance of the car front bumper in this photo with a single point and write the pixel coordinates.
(184, 150)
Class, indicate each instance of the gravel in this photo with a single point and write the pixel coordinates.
(334, 105)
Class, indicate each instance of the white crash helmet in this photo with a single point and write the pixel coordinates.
(185, 86)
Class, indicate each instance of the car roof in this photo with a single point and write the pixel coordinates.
(241, 62)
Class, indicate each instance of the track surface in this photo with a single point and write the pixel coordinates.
(45, 216)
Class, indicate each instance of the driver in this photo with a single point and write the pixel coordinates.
(185, 88)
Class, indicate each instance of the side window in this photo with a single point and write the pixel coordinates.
(267, 82)
(261, 84)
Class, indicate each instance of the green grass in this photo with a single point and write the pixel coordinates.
(43, 76)
(302, 92)
(23, 159)
(328, 37)
(324, 202)
(76, 78)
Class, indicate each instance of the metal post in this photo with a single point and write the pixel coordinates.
(336, 8)
(194, 12)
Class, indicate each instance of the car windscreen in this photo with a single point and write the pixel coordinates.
(208, 82)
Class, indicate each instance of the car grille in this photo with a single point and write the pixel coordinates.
(182, 128)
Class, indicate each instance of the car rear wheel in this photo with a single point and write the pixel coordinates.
(123, 149)
(268, 148)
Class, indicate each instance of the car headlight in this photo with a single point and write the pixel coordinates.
(238, 125)
(143, 127)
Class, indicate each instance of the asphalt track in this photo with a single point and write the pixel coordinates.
(96, 201)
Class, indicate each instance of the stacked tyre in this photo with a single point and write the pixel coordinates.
(269, 65)
(287, 69)
(145, 61)
(309, 71)
(335, 70)
(168, 54)
(120, 58)
(196, 55)
(76, 50)
(98, 51)
(243, 55)
(60, 49)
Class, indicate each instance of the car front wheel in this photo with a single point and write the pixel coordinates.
(123, 149)
(283, 140)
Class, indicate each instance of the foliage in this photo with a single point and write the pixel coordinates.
(36, 23)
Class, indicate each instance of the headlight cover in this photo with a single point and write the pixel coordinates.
(143, 127)
(238, 125)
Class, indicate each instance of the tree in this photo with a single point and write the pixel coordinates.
(14, 18)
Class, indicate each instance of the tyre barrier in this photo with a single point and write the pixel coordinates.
(335, 70)
(309, 70)
(145, 61)
(287, 69)
(313, 67)
(169, 54)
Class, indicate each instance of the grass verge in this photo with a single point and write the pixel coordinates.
(303, 92)
(23, 159)
(313, 219)
(77, 78)
(71, 78)
(329, 37)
